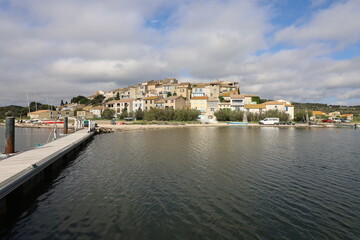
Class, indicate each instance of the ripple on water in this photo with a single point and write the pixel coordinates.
(204, 183)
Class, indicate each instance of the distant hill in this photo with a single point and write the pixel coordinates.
(327, 108)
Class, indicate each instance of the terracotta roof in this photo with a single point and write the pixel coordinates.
(255, 106)
(225, 94)
(274, 103)
(98, 107)
(161, 100)
(173, 97)
(40, 111)
(120, 101)
(318, 113)
(289, 105)
(199, 98)
(151, 98)
(347, 115)
(235, 96)
(213, 100)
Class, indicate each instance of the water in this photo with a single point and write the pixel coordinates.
(25, 138)
(204, 183)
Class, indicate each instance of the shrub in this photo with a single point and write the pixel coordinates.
(223, 114)
(108, 114)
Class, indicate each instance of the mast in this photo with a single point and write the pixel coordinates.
(27, 97)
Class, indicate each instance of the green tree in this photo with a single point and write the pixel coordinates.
(174, 94)
(117, 96)
(108, 114)
(62, 103)
(98, 100)
(223, 114)
(124, 113)
(168, 94)
(139, 115)
(80, 99)
(221, 99)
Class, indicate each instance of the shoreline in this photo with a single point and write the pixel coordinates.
(108, 128)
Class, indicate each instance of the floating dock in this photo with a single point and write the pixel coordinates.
(22, 172)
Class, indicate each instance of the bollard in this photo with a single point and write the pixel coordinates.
(10, 135)
(66, 125)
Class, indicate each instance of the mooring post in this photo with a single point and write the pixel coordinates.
(66, 124)
(10, 135)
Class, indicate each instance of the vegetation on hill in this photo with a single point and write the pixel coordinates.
(21, 112)
(238, 116)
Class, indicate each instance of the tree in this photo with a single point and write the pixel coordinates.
(124, 113)
(117, 96)
(62, 103)
(66, 103)
(108, 114)
(98, 100)
(174, 94)
(221, 99)
(139, 115)
(80, 99)
(168, 94)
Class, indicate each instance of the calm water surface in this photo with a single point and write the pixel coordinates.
(204, 183)
(25, 138)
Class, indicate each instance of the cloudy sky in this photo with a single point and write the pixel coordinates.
(307, 51)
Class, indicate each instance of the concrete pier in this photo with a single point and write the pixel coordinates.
(22, 172)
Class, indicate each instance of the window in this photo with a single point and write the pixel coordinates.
(172, 101)
(212, 109)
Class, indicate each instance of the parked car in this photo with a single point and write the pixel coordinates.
(345, 121)
(270, 121)
(335, 120)
(327, 120)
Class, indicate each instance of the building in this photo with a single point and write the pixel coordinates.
(199, 103)
(175, 102)
(149, 102)
(184, 90)
(237, 102)
(255, 108)
(121, 105)
(160, 103)
(211, 107)
(84, 114)
(281, 107)
(138, 103)
(49, 114)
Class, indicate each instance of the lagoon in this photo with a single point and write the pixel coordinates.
(203, 183)
(25, 138)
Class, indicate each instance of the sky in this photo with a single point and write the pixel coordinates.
(303, 51)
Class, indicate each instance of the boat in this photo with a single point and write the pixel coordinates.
(238, 123)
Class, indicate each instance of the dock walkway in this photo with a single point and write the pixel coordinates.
(19, 168)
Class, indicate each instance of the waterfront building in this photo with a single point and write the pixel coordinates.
(224, 105)
(237, 102)
(149, 102)
(49, 114)
(199, 103)
(280, 106)
(184, 90)
(255, 108)
(175, 102)
(160, 103)
(137, 103)
(120, 105)
(211, 107)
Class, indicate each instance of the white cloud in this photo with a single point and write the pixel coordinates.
(337, 24)
(66, 48)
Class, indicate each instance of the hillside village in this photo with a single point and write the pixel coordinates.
(170, 93)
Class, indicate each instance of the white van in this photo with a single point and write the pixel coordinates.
(335, 119)
(270, 121)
